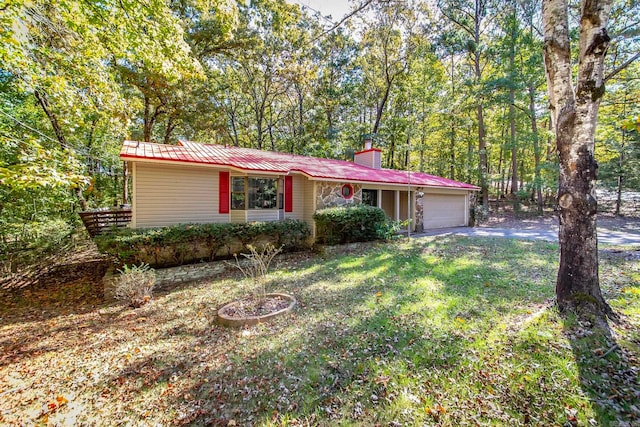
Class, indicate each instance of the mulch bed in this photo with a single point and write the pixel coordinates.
(255, 306)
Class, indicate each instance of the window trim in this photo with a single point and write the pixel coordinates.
(348, 187)
(244, 193)
(245, 179)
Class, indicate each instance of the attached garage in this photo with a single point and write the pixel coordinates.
(445, 210)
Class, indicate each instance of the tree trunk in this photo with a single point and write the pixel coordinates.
(381, 106)
(53, 119)
(125, 184)
(512, 139)
(146, 132)
(482, 145)
(171, 125)
(537, 184)
(512, 118)
(44, 103)
(621, 160)
(452, 141)
(620, 177)
(574, 114)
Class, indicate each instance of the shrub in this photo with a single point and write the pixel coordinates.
(479, 214)
(135, 285)
(257, 265)
(390, 228)
(186, 243)
(357, 223)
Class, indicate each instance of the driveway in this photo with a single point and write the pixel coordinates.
(605, 236)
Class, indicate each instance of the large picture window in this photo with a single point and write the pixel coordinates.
(254, 193)
(263, 193)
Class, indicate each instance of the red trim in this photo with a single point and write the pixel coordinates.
(288, 194)
(366, 151)
(350, 190)
(224, 192)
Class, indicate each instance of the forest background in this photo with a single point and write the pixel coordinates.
(454, 88)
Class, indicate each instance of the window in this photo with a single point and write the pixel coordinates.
(370, 197)
(263, 193)
(347, 191)
(254, 193)
(237, 193)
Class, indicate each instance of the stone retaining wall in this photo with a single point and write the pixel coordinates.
(188, 273)
(167, 277)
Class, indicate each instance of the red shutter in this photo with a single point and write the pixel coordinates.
(288, 194)
(224, 192)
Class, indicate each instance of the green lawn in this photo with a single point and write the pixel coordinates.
(434, 331)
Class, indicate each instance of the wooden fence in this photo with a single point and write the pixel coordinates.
(98, 222)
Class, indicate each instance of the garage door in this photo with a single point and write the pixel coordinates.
(444, 210)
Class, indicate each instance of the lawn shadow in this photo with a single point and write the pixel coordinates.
(349, 337)
(372, 323)
(608, 374)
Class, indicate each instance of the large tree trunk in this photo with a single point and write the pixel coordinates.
(574, 114)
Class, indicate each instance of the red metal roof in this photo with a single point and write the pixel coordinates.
(249, 159)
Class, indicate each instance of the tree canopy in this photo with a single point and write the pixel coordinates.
(453, 88)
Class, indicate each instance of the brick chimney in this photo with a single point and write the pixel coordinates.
(369, 156)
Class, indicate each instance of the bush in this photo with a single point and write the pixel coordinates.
(257, 266)
(135, 285)
(479, 214)
(187, 243)
(359, 223)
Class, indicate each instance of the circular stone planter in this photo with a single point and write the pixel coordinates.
(238, 321)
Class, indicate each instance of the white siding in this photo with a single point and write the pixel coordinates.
(238, 215)
(168, 194)
(298, 192)
(445, 210)
(309, 201)
(262, 215)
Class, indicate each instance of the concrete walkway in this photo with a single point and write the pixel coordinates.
(607, 237)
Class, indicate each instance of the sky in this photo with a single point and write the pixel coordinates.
(336, 8)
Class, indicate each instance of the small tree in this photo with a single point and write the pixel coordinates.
(257, 266)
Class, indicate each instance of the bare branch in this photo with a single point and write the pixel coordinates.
(621, 67)
(362, 6)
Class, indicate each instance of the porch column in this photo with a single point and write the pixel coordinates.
(397, 206)
(380, 199)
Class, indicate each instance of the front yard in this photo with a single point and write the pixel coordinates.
(433, 331)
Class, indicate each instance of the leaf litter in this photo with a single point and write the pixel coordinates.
(441, 331)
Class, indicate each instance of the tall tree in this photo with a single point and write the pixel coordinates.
(470, 16)
(574, 110)
(388, 49)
